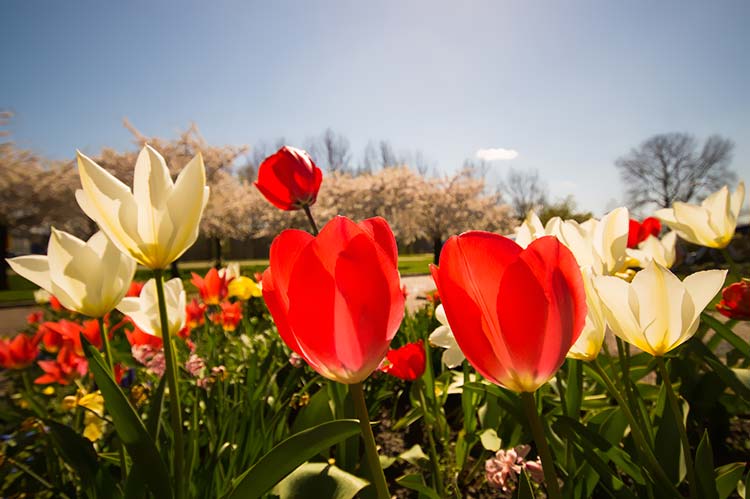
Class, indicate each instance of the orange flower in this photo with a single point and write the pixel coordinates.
(213, 287)
(195, 313)
(65, 368)
(229, 317)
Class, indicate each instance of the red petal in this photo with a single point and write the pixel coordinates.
(381, 233)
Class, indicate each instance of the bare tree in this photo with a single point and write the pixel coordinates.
(331, 151)
(259, 152)
(671, 167)
(525, 191)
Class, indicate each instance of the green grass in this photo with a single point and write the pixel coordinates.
(22, 291)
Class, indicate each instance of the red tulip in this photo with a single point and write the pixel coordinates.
(19, 352)
(336, 298)
(55, 304)
(515, 313)
(407, 362)
(213, 288)
(34, 318)
(70, 333)
(66, 367)
(195, 314)
(230, 315)
(289, 179)
(135, 288)
(138, 338)
(640, 231)
(735, 301)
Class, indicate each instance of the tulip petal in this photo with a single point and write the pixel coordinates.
(35, 268)
(186, 204)
(702, 287)
(381, 233)
(109, 203)
(616, 299)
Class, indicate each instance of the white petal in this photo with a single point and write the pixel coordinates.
(440, 315)
(442, 337)
(615, 298)
(35, 268)
(184, 208)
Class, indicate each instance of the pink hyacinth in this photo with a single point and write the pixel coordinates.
(151, 357)
(503, 469)
(195, 365)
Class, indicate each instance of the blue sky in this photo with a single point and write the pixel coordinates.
(569, 85)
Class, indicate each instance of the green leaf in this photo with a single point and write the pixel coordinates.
(727, 334)
(154, 413)
(76, 451)
(667, 443)
(414, 455)
(704, 469)
(574, 394)
(288, 455)
(317, 411)
(727, 477)
(490, 440)
(415, 482)
(523, 490)
(129, 426)
(319, 480)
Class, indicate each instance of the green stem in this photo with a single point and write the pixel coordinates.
(733, 267)
(635, 429)
(35, 406)
(174, 393)
(105, 343)
(310, 219)
(35, 476)
(434, 459)
(537, 431)
(371, 451)
(675, 406)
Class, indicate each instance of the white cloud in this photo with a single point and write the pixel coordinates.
(497, 154)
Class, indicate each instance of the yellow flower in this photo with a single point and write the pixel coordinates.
(156, 222)
(144, 309)
(244, 288)
(89, 277)
(711, 224)
(657, 312)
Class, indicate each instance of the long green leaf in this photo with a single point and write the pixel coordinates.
(288, 455)
(727, 334)
(704, 469)
(415, 482)
(129, 427)
(76, 450)
(524, 490)
(727, 477)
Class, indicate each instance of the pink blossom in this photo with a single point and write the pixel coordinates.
(195, 365)
(503, 469)
(151, 357)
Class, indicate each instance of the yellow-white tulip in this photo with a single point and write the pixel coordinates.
(144, 309)
(657, 312)
(156, 222)
(590, 342)
(711, 224)
(89, 277)
(662, 251)
(599, 244)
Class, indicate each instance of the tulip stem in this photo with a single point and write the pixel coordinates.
(537, 431)
(310, 218)
(635, 428)
(105, 343)
(733, 267)
(174, 393)
(437, 476)
(371, 451)
(675, 406)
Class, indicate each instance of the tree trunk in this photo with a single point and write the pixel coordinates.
(217, 252)
(3, 264)
(437, 246)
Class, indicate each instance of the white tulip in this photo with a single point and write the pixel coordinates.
(712, 224)
(159, 220)
(590, 341)
(662, 251)
(530, 229)
(88, 277)
(144, 309)
(657, 312)
(443, 337)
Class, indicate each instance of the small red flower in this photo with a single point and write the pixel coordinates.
(213, 287)
(55, 304)
(229, 317)
(34, 317)
(65, 368)
(195, 313)
(289, 179)
(138, 338)
(407, 362)
(640, 231)
(70, 334)
(735, 301)
(135, 289)
(19, 352)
